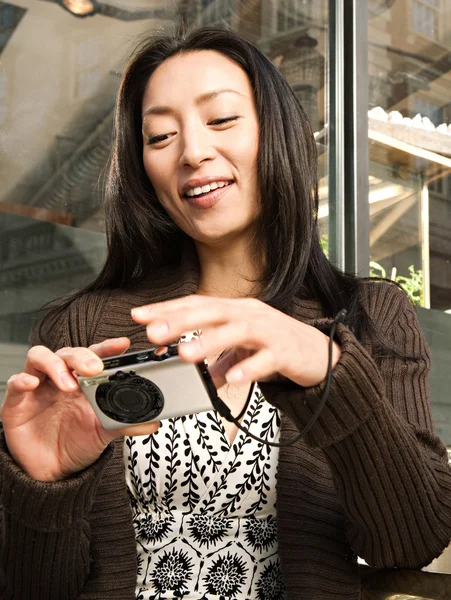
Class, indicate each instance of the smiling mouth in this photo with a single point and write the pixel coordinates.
(199, 192)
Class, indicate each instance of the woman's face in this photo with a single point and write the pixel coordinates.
(201, 131)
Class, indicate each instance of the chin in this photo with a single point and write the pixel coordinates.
(213, 237)
(219, 228)
(221, 235)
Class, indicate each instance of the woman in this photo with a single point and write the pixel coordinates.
(212, 226)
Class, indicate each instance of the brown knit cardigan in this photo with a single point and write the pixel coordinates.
(370, 478)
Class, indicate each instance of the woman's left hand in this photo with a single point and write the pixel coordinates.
(264, 344)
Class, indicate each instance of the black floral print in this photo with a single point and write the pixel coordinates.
(270, 585)
(151, 528)
(204, 508)
(208, 530)
(226, 576)
(261, 534)
(172, 572)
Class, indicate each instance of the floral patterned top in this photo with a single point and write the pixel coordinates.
(204, 509)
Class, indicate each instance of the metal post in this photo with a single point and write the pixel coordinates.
(336, 158)
(425, 246)
(355, 123)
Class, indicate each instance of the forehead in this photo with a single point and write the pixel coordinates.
(185, 76)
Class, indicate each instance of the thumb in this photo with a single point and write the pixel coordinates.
(226, 361)
(17, 387)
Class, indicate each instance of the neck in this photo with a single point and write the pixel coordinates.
(228, 270)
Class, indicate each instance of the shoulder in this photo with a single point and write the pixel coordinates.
(394, 318)
(385, 302)
(101, 314)
(89, 318)
(69, 322)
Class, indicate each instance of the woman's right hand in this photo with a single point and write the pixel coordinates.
(50, 427)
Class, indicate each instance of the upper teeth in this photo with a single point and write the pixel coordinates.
(206, 188)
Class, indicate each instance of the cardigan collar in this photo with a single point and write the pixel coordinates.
(182, 280)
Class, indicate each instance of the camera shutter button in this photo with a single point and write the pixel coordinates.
(162, 352)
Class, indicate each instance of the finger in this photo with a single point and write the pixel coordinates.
(141, 429)
(82, 361)
(141, 314)
(42, 362)
(167, 321)
(236, 334)
(110, 347)
(257, 367)
(162, 331)
(206, 317)
(230, 358)
(17, 387)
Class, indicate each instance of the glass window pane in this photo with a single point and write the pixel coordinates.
(425, 19)
(58, 80)
(410, 166)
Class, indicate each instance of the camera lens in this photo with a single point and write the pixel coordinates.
(129, 398)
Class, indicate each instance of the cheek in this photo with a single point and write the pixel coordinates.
(159, 175)
(247, 155)
(155, 174)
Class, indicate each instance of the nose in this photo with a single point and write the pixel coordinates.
(196, 147)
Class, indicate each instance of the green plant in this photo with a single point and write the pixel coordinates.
(412, 285)
(377, 270)
(324, 241)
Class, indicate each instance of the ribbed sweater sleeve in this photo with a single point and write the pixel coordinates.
(389, 469)
(45, 532)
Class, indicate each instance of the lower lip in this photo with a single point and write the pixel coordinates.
(208, 200)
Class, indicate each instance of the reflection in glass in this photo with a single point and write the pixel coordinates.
(410, 167)
(410, 146)
(60, 76)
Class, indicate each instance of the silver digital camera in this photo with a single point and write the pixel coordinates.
(149, 385)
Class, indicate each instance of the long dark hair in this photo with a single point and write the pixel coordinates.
(141, 237)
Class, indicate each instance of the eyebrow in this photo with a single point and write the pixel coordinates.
(164, 110)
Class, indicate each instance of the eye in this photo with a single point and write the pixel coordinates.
(224, 120)
(155, 139)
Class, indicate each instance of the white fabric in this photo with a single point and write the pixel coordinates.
(204, 510)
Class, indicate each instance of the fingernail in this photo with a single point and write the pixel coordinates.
(68, 381)
(158, 329)
(140, 312)
(234, 375)
(93, 363)
(28, 380)
(190, 348)
(13, 378)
